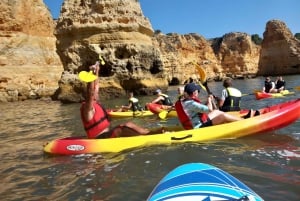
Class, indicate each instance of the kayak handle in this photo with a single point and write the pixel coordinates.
(182, 138)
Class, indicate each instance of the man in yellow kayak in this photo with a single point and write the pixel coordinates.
(162, 99)
(231, 97)
(269, 86)
(133, 104)
(279, 84)
(193, 114)
(180, 93)
(94, 116)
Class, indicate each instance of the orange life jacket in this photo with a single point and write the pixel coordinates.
(184, 118)
(98, 123)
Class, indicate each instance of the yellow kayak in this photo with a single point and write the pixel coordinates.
(261, 95)
(116, 114)
(273, 117)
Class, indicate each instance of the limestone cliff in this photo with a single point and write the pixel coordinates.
(280, 53)
(118, 31)
(237, 54)
(135, 58)
(233, 55)
(182, 53)
(30, 67)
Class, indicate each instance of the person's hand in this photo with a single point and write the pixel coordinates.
(95, 68)
(210, 98)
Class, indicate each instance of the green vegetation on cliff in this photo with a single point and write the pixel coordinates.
(256, 39)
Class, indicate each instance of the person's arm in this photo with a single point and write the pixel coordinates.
(273, 86)
(264, 89)
(91, 94)
(210, 103)
(127, 107)
(222, 99)
(157, 99)
(283, 87)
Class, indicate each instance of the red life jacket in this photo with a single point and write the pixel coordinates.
(184, 118)
(98, 123)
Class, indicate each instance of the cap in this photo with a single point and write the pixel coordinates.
(191, 87)
(157, 91)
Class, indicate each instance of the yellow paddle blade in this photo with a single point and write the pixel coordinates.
(201, 85)
(87, 76)
(201, 73)
(163, 114)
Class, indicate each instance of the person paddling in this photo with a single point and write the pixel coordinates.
(231, 97)
(269, 86)
(279, 84)
(133, 104)
(162, 99)
(193, 114)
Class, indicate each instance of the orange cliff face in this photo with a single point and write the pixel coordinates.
(30, 66)
(232, 55)
(36, 64)
(280, 54)
(121, 34)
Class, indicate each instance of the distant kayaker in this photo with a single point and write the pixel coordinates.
(180, 92)
(193, 114)
(269, 86)
(162, 99)
(133, 104)
(230, 98)
(279, 84)
(95, 118)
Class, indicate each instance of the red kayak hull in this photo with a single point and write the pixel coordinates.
(155, 108)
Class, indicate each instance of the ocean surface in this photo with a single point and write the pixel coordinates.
(268, 163)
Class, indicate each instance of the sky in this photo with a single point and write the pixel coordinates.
(213, 18)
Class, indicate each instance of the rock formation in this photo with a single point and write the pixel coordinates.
(116, 30)
(136, 59)
(237, 54)
(280, 53)
(30, 67)
(182, 53)
(233, 55)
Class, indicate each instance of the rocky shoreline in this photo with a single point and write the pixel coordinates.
(41, 58)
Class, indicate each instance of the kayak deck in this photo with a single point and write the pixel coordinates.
(262, 95)
(200, 181)
(119, 114)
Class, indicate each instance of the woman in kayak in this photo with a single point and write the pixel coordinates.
(95, 119)
(193, 114)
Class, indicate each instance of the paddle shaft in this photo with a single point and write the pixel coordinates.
(205, 86)
(209, 93)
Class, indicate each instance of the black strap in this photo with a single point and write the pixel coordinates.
(244, 198)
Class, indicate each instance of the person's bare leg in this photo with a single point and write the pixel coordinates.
(219, 117)
(131, 129)
(273, 91)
